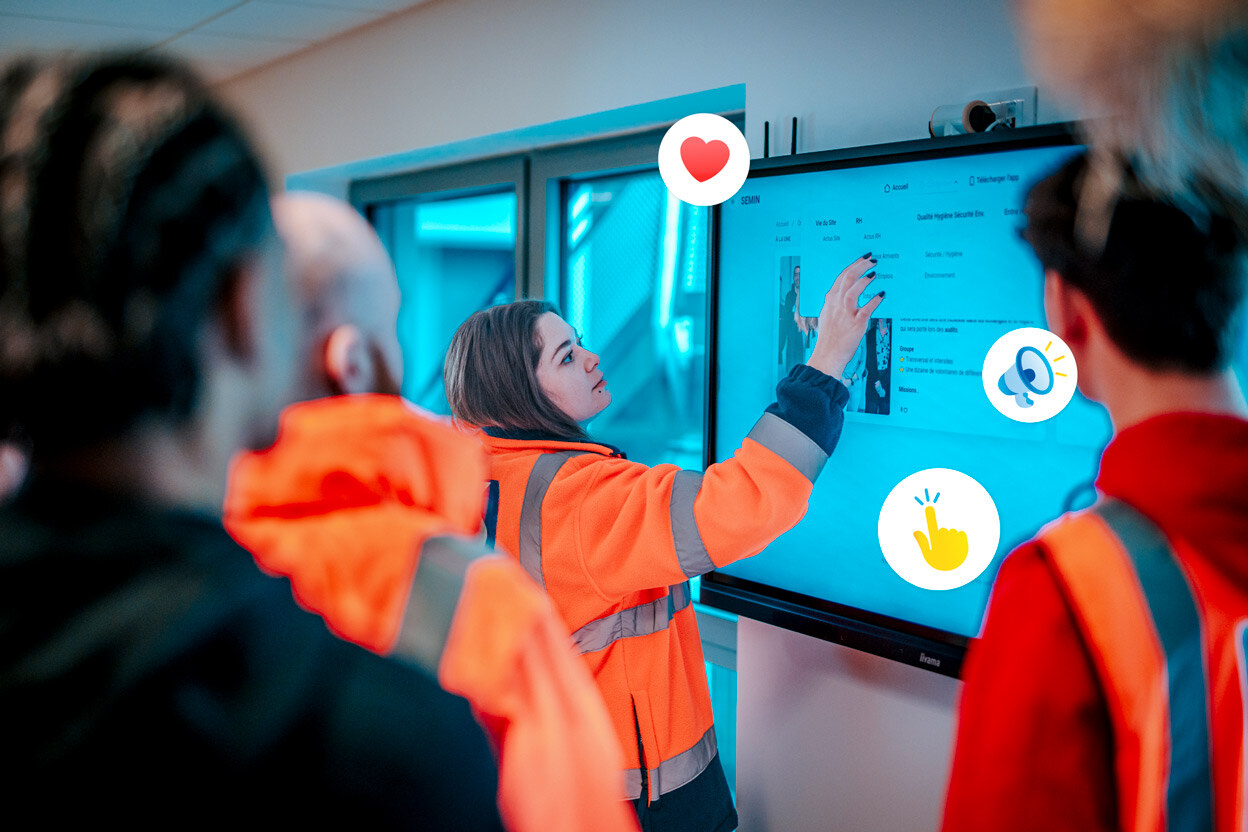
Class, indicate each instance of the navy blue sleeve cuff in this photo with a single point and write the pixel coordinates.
(814, 403)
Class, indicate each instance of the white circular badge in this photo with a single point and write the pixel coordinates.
(939, 529)
(704, 159)
(1030, 375)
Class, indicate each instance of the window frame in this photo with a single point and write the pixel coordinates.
(541, 176)
(462, 179)
(553, 169)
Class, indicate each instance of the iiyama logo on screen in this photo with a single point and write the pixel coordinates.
(926, 659)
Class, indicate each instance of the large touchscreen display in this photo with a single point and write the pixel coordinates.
(957, 277)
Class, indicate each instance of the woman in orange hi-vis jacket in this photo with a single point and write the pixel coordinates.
(615, 542)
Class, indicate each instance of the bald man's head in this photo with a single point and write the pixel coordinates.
(346, 285)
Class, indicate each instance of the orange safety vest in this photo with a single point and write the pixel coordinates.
(365, 505)
(614, 543)
(1167, 635)
(342, 501)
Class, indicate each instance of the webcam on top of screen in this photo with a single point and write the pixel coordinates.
(1001, 110)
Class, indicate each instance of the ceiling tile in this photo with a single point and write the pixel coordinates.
(367, 5)
(283, 21)
(225, 37)
(157, 14)
(23, 34)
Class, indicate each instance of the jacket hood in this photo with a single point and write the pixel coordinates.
(358, 451)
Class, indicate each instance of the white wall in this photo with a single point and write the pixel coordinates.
(829, 738)
(853, 71)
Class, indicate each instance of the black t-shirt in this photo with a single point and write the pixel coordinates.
(150, 672)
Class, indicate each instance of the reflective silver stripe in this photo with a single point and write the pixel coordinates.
(632, 783)
(786, 441)
(436, 587)
(685, 766)
(540, 478)
(690, 550)
(676, 772)
(641, 620)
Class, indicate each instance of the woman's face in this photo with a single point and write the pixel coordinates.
(568, 373)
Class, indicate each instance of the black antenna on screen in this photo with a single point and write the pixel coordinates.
(766, 139)
(793, 147)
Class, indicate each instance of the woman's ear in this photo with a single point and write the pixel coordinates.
(348, 362)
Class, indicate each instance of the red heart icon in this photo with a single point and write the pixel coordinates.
(703, 159)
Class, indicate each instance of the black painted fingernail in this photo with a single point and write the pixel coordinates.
(881, 294)
(874, 261)
(870, 274)
(865, 256)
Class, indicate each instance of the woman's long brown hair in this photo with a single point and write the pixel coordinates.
(491, 373)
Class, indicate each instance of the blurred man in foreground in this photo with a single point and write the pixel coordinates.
(148, 671)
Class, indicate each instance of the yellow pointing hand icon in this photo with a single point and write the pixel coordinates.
(947, 548)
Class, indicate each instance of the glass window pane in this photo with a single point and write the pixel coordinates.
(634, 286)
(453, 257)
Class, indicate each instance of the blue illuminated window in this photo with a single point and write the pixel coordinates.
(633, 284)
(453, 256)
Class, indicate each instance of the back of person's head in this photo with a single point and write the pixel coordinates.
(491, 373)
(128, 201)
(1167, 287)
(348, 292)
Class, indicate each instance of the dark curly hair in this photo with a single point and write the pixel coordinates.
(1168, 287)
(127, 197)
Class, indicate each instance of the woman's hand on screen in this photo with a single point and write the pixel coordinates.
(842, 323)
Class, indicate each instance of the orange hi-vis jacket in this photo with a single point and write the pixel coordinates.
(614, 543)
(366, 505)
(1167, 632)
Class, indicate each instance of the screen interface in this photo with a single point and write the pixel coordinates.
(957, 277)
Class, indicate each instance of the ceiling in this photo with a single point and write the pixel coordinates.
(222, 37)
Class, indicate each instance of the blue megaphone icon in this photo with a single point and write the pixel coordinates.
(1031, 374)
